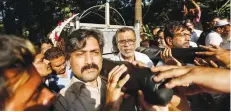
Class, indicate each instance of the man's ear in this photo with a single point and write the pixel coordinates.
(169, 41)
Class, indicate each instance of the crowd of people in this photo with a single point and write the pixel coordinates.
(69, 78)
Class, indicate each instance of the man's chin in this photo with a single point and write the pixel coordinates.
(89, 76)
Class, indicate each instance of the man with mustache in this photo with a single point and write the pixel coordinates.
(176, 35)
(124, 42)
(86, 91)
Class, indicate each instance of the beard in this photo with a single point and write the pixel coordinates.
(184, 45)
(89, 75)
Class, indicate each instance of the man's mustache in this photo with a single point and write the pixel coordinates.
(89, 66)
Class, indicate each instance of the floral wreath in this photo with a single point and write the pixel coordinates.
(54, 35)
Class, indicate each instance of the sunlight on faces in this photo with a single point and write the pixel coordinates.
(89, 54)
(28, 92)
(126, 43)
(59, 65)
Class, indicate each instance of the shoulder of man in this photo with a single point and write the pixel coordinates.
(115, 57)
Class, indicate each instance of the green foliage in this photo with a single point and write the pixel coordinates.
(148, 31)
(36, 18)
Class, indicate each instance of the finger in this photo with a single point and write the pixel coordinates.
(112, 71)
(171, 73)
(161, 55)
(141, 64)
(142, 102)
(170, 52)
(117, 75)
(164, 53)
(167, 52)
(179, 81)
(204, 62)
(196, 62)
(213, 64)
(134, 63)
(207, 48)
(206, 53)
(214, 46)
(163, 68)
(124, 80)
(117, 70)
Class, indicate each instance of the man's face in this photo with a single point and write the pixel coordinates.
(30, 92)
(126, 42)
(181, 39)
(226, 32)
(86, 63)
(45, 47)
(214, 21)
(145, 43)
(58, 65)
(42, 65)
(161, 40)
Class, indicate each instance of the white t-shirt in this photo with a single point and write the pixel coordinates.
(195, 35)
(138, 56)
(213, 38)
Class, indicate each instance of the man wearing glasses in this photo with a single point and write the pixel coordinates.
(124, 42)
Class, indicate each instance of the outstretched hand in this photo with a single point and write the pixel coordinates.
(166, 55)
(216, 54)
(114, 95)
(204, 77)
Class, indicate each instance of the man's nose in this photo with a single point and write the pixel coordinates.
(188, 37)
(88, 58)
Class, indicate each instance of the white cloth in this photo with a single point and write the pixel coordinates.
(195, 35)
(225, 44)
(161, 63)
(213, 38)
(192, 44)
(81, 96)
(138, 56)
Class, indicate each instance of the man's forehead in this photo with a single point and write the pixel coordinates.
(126, 35)
(182, 30)
(58, 59)
(91, 44)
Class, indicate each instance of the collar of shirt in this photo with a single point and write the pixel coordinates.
(80, 84)
(122, 59)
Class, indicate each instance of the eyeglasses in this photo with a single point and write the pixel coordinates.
(129, 41)
(182, 34)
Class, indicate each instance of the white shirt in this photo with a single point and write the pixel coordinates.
(138, 56)
(161, 63)
(213, 38)
(192, 44)
(225, 44)
(195, 35)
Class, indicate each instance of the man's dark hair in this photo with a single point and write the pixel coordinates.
(120, 30)
(77, 39)
(17, 53)
(53, 53)
(41, 41)
(172, 27)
